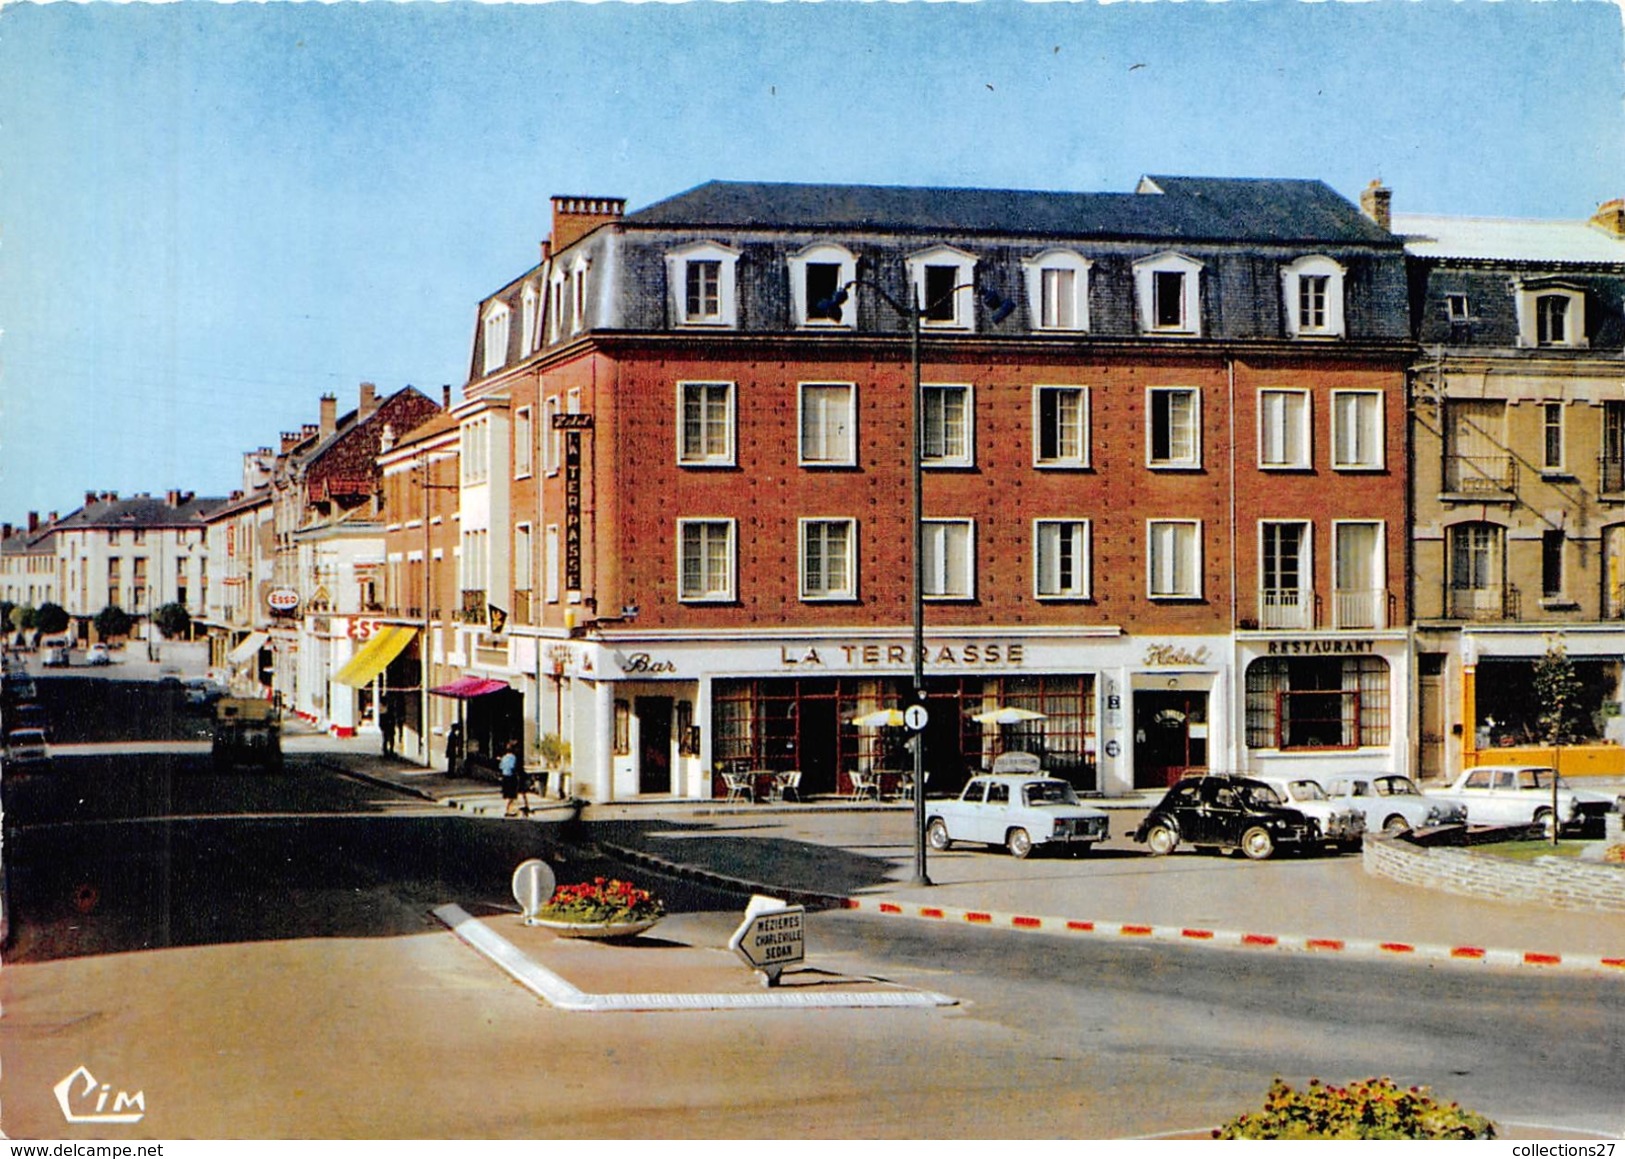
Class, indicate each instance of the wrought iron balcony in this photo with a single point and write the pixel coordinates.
(1360, 608)
(1487, 603)
(1480, 474)
(1285, 608)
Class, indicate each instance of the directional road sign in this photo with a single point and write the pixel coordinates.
(772, 936)
(916, 717)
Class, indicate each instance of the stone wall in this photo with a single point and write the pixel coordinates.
(1560, 882)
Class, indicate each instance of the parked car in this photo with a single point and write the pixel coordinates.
(54, 658)
(1020, 811)
(1522, 795)
(97, 655)
(202, 692)
(245, 732)
(1341, 825)
(26, 747)
(1225, 812)
(1393, 803)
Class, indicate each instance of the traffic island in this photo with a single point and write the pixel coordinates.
(1566, 883)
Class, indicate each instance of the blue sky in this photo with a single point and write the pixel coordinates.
(212, 214)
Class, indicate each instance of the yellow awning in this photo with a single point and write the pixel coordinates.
(375, 655)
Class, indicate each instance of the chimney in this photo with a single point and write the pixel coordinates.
(1374, 202)
(50, 519)
(235, 495)
(90, 497)
(445, 396)
(33, 521)
(330, 414)
(173, 497)
(576, 217)
(290, 440)
(307, 431)
(1610, 217)
(5, 530)
(368, 404)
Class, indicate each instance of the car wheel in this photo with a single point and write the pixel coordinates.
(1018, 843)
(1543, 818)
(937, 834)
(1257, 843)
(1161, 839)
(1396, 826)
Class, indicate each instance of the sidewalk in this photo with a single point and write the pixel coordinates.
(860, 856)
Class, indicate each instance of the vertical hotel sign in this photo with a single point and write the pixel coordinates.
(572, 425)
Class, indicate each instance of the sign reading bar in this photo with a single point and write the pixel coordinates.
(572, 505)
(572, 422)
(772, 936)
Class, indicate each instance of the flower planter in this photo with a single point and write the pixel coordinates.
(602, 930)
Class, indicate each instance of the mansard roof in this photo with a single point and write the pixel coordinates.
(1166, 208)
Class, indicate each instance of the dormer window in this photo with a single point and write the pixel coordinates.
(817, 274)
(1313, 292)
(1058, 291)
(578, 295)
(1167, 288)
(527, 314)
(495, 336)
(702, 283)
(1551, 314)
(555, 306)
(943, 280)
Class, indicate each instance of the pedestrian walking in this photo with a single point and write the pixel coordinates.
(387, 724)
(508, 767)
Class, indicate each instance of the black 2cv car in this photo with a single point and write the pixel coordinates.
(1226, 812)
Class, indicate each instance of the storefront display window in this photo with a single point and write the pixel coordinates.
(1318, 703)
(1508, 714)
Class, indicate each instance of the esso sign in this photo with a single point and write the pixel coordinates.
(363, 629)
(282, 600)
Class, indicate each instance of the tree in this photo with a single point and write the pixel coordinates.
(1558, 692)
(51, 619)
(22, 617)
(172, 620)
(112, 622)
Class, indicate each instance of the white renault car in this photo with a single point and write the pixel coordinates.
(1393, 803)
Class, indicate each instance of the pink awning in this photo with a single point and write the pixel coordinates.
(468, 687)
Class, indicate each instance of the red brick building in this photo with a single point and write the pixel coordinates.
(1163, 450)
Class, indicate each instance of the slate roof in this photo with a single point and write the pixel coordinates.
(1169, 208)
(1507, 239)
(143, 511)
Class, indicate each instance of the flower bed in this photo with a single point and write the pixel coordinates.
(1372, 1109)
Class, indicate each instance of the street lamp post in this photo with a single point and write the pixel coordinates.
(831, 308)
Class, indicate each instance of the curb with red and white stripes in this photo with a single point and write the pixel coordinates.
(1236, 939)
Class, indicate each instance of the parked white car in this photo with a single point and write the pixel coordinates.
(1393, 803)
(1018, 811)
(26, 747)
(1522, 795)
(1340, 825)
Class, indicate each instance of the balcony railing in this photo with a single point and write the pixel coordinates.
(1489, 603)
(1480, 474)
(1360, 608)
(1280, 608)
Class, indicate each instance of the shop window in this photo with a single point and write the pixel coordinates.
(623, 728)
(1506, 715)
(1318, 703)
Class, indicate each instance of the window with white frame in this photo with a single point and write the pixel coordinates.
(948, 561)
(1551, 430)
(946, 435)
(828, 419)
(1061, 426)
(1313, 289)
(555, 306)
(475, 455)
(1168, 292)
(942, 282)
(1174, 559)
(702, 280)
(1455, 307)
(550, 563)
(474, 560)
(578, 294)
(1058, 291)
(705, 436)
(521, 557)
(1357, 419)
(524, 442)
(705, 563)
(1285, 597)
(1551, 314)
(1283, 429)
(495, 336)
(1061, 555)
(527, 316)
(828, 559)
(1359, 582)
(1173, 416)
(817, 274)
(552, 440)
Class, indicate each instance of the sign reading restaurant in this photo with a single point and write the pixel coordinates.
(1332, 647)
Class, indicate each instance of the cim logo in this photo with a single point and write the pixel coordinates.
(74, 1095)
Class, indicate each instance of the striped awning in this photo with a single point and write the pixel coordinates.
(251, 644)
(468, 687)
(375, 655)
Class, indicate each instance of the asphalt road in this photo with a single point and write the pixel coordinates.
(255, 954)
